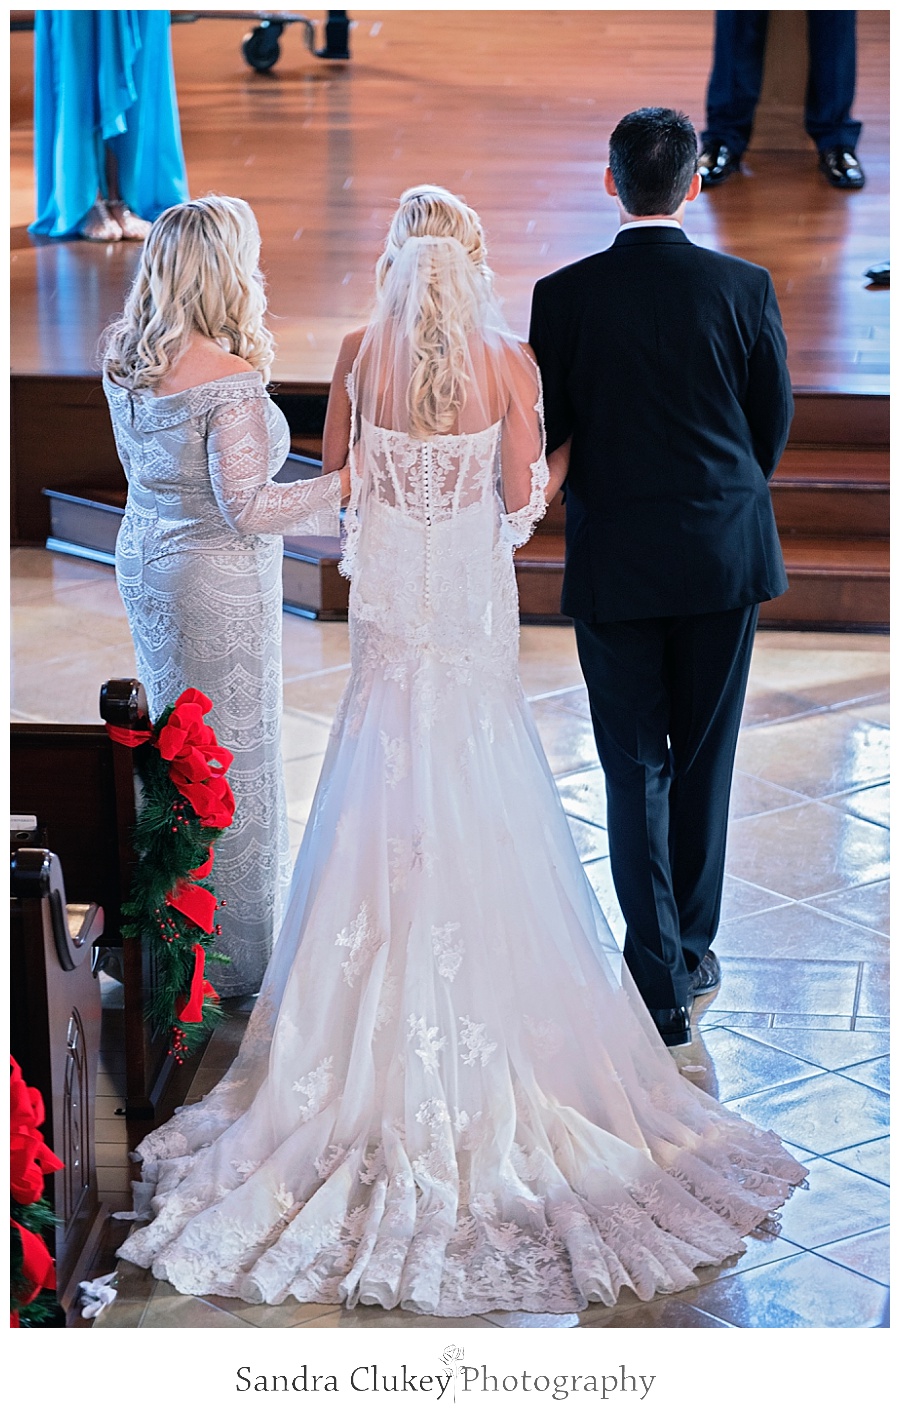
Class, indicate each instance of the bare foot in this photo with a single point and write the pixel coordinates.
(99, 225)
(133, 228)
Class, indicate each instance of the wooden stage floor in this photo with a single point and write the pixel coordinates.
(513, 110)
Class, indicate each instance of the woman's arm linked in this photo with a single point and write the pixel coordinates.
(250, 502)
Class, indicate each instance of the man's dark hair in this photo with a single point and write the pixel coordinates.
(653, 156)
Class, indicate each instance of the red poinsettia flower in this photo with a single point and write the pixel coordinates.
(30, 1158)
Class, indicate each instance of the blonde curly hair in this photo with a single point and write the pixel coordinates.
(447, 311)
(199, 273)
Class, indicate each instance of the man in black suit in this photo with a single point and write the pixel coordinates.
(664, 366)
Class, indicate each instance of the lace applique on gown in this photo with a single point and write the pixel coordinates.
(450, 1097)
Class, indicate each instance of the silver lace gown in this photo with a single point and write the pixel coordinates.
(198, 564)
(449, 1096)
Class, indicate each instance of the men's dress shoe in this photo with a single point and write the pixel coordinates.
(842, 168)
(674, 1025)
(707, 976)
(716, 163)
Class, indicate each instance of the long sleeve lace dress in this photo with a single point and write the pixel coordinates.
(198, 563)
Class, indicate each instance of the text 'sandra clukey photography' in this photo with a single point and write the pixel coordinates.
(452, 1378)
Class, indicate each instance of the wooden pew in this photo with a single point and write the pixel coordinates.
(81, 788)
(55, 1039)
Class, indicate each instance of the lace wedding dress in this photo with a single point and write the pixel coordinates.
(198, 565)
(449, 1097)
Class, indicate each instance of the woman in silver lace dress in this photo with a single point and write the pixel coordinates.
(198, 556)
(450, 1096)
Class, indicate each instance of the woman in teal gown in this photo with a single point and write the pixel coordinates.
(107, 142)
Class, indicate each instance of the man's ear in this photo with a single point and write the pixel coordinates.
(609, 183)
(694, 189)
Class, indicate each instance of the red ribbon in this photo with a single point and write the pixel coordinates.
(191, 1012)
(38, 1268)
(131, 738)
(198, 873)
(198, 904)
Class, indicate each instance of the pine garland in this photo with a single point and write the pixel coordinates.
(36, 1217)
(174, 845)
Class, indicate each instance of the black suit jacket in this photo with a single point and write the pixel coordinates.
(666, 364)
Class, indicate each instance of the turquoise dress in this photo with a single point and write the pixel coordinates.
(104, 77)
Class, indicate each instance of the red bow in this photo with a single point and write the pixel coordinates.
(38, 1268)
(190, 1011)
(198, 763)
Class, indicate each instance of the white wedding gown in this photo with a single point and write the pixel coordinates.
(449, 1097)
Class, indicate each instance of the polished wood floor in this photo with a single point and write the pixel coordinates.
(513, 110)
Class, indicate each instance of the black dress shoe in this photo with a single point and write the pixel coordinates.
(707, 976)
(717, 162)
(842, 168)
(674, 1025)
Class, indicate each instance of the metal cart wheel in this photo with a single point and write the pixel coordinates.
(261, 48)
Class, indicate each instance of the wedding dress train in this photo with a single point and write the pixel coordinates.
(449, 1097)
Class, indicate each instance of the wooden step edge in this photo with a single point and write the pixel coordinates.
(795, 484)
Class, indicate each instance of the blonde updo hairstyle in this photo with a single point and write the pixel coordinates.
(199, 272)
(448, 309)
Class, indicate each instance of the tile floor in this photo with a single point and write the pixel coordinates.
(796, 1038)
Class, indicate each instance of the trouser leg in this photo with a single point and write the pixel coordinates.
(624, 666)
(832, 79)
(736, 77)
(708, 669)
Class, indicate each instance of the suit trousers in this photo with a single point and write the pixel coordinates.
(736, 78)
(666, 696)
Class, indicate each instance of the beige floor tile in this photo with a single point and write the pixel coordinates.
(599, 874)
(584, 795)
(591, 841)
(548, 660)
(567, 738)
(39, 576)
(302, 735)
(829, 1049)
(532, 1320)
(740, 899)
(743, 1066)
(764, 705)
(309, 647)
(189, 1312)
(823, 1114)
(803, 987)
(374, 1318)
(803, 1291)
(807, 851)
(823, 754)
(876, 712)
(65, 688)
(671, 1313)
(835, 1204)
(301, 780)
(868, 1255)
(288, 1314)
(875, 992)
(797, 933)
(876, 1073)
(316, 695)
(873, 804)
(873, 1159)
(751, 796)
(870, 905)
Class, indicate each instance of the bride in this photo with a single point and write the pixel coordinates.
(449, 1097)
